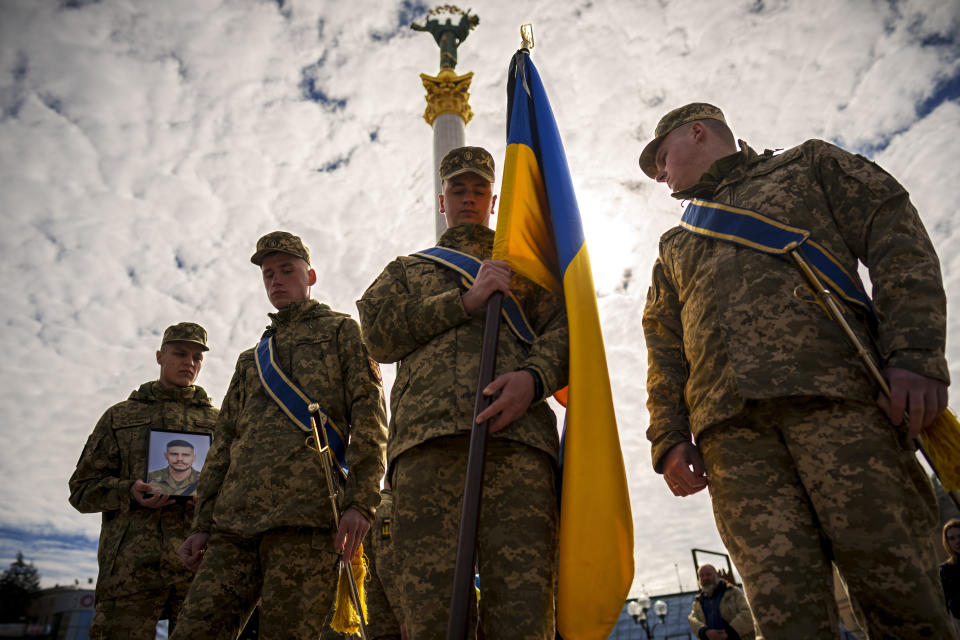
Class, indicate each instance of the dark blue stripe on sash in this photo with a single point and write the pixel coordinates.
(756, 231)
(468, 267)
(294, 402)
(740, 226)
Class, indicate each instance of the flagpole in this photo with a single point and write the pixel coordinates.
(463, 575)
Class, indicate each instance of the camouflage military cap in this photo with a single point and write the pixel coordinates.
(185, 332)
(468, 160)
(676, 118)
(279, 241)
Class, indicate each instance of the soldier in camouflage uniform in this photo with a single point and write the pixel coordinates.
(141, 580)
(803, 466)
(264, 527)
(417, 313)
(178, 478)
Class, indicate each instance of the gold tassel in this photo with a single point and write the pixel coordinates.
(345, 617)
(941, 442)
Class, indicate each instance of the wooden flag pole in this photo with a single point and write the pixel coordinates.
(463, 576)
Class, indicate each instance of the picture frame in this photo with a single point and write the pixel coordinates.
(174, 460)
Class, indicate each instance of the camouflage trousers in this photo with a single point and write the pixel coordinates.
(136, 616)
(291, 570)
(517, 541)
(799, 482)
(381, 539)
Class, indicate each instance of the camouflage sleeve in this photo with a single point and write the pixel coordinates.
(550, 354)
(96, 484)
(396, 322)
(367, 413)
(666, 367)
(218, 457)
(882, 228)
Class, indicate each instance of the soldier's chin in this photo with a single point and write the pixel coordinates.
(280, 301)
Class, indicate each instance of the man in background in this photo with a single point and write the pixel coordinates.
(720, 610)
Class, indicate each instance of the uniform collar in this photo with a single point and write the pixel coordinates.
(475, 239)
(294, 311)
(726, 170)
(153, 391)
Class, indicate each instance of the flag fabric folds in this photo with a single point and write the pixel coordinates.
(540, 235)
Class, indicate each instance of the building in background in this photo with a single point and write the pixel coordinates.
(59, 613)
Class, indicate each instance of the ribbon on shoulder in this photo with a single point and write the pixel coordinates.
(761, 233)
(294, 402)
(468, 267)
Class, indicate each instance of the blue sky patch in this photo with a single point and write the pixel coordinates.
(407, 14)
(310, 88)
(333, 165)
(945, 91)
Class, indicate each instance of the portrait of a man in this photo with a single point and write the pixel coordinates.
(180, 475)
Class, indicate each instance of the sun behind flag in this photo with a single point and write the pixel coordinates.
(540, 235)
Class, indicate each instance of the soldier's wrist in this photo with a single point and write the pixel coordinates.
(537, 384)
(362, 510)
(126, 489)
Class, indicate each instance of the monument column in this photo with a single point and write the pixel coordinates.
(448, 94)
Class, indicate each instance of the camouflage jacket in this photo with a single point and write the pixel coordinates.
(138, 545)
(259, 473)
(413, 314)
(724, 323)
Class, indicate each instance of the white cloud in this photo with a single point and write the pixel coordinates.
(145, 146)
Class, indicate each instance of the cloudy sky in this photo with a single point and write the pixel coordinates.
(144, 146)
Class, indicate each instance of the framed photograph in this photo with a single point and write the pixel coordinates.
(174, 460)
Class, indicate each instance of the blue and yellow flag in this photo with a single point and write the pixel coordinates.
(540, 234)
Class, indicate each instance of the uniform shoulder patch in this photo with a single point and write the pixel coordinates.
(375, 369)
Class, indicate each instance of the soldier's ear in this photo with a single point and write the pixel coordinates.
(493, 205)
(159, 355)
(697, 129)
(313, 277)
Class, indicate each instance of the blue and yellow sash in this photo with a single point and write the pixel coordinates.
(756, 231)
(468, 266)
(294, 402)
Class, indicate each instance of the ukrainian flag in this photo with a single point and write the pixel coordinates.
(539, 233)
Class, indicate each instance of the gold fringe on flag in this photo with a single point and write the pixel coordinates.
(941, 444)
(345, 617)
